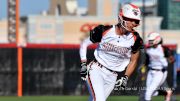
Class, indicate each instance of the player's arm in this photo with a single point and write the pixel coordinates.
(95, 37)
(135, 55)
(147, 61)
(121, 82)
(138, 44)
(168, 54)
(83, 49)
(82, 52)
(132, 65)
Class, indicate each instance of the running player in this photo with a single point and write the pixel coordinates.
(157, 61)
(116, 55)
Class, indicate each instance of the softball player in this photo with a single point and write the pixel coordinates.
(157, 56)
(115, 56)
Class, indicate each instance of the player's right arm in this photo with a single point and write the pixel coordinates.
(95, 37)
(83, 49)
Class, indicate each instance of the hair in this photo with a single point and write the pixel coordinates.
(161, 42)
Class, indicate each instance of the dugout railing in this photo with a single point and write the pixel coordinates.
(53, 69)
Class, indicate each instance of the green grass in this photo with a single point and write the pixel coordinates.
(74, 98)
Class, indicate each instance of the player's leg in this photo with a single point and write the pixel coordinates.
(148, 82)
(110, 81)
(162, 85)
(89, 84)
(90, 91)
(166, 90)
(95, 83)
(157, 77)
(168, 95)
(156, 93)
(164, 77)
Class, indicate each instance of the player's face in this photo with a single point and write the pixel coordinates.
(131, 23)
(152, 44)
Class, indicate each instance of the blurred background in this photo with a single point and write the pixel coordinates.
(39, 42)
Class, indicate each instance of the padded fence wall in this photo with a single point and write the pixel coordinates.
(55, 71)
(52, 71)
(8, 71)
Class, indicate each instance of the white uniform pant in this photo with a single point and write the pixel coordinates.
(154, 80)
(100, 82)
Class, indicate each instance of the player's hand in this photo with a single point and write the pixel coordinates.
(121, 83)
(83, 70)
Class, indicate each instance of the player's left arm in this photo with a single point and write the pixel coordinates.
(168, 54)
(121, 82)
(132, 65)
(138, 44)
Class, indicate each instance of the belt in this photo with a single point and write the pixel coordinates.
(101, 66)
(158, 69)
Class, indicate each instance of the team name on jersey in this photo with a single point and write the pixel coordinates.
(114, 48)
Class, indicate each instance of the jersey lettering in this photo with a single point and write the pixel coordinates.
(114, 48)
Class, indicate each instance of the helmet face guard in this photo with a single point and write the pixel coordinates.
(123, 23)
(151, 43)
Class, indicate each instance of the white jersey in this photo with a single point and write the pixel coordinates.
(157, 59)
(113, 51)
